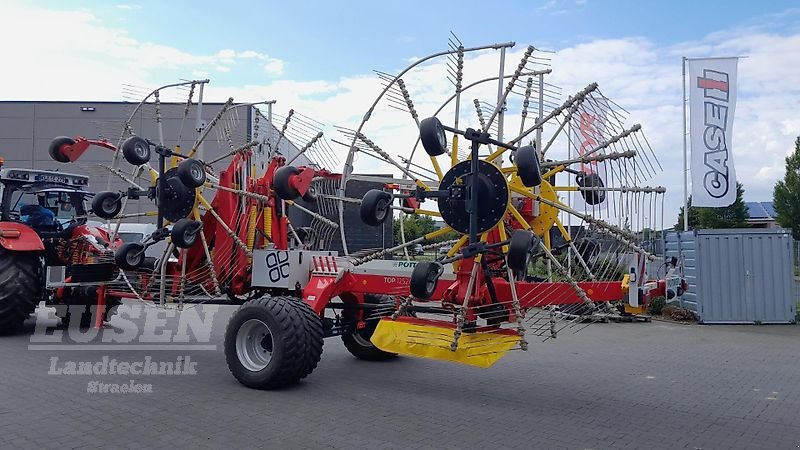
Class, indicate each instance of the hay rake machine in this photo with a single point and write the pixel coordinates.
(522, 262)
(515, 268)
(212, 220)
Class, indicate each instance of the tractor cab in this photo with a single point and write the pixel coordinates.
(47, 202)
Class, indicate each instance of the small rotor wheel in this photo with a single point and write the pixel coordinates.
(130, 256)
(424, 278)
(376, 207)
(593, 194)
(528, 168)
(57, 147)
(192, 173)
(431, 133)
(185, 232)
(520, 249)
(282, 185)
(311, 195)
(136, 151)
(107, 204)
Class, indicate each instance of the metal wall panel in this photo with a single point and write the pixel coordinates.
(737, 276)
(681, 245)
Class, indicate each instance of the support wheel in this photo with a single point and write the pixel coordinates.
(282, 185)
(273, 342)
(136, 151)
(520, 249)
(130, 256)
(192, 173)
(424, 278)
(431, 133)
(21, 283)
(375, 207)
(57, 147)
(359, 343)
(107, 204)
(591, 181)
(185, 232)
(527, 161)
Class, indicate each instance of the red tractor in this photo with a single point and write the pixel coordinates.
(43, 225)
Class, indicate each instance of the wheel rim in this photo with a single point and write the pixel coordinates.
(381, 208)
(197, 174)
(132, 257)
(362, 340)
(254, 345)
(189, 236)
(109, 205)
(140, 151)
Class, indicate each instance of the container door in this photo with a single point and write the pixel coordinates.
(722, 279)
(767, 266)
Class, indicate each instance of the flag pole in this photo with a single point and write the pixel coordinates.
(685, 163)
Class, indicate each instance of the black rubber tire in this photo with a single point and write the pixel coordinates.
(591, 180)
(185, 233)
(297, 340)
(55, 148)
(424, 278)
(280, 183)
(87, 318)
(130, 256)
(358, 343)
(520, 249)
(528, 169)
(21, 286)
(107, 204)
(136, 151)
(431, 133)
(375, 207)
(192, 173)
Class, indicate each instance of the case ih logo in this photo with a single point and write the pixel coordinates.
(716, 90)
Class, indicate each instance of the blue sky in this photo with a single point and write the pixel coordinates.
(331, 39)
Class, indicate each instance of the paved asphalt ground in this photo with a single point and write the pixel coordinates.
(628, 385)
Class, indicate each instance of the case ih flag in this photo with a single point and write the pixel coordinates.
(712, 102)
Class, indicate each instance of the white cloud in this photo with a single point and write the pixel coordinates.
(129, 7)
(274, 67)
(94, 63)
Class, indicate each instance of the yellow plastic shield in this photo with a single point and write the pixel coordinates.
(426, 339)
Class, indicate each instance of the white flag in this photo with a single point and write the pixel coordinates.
(712, 102)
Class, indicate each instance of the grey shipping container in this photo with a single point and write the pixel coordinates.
(737, 275)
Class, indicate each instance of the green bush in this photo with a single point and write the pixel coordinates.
(656, 305)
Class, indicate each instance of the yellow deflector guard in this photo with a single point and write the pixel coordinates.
(432, 339)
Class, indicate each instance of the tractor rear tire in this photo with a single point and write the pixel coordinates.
(273, 342)
(21, 286)
(359, 343)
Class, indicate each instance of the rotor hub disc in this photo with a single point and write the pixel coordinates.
(492, 191)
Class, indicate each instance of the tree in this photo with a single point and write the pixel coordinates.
(732, 216)
(414, 225)
(692, 217)
(786, 195)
